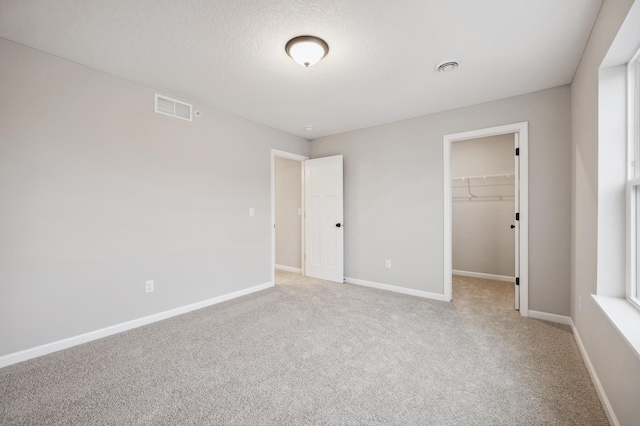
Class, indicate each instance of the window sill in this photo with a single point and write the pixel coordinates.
(624, 316)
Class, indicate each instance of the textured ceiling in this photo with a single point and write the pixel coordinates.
(229, 54)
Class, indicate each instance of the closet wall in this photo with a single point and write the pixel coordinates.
(483, 187)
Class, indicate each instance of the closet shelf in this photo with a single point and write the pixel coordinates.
(499, 187)
(485, 180)
(500, 176)
(484, 198)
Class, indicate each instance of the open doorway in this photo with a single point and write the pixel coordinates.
(481, 182)
(288, 215)
(483, 210)
(287, 209)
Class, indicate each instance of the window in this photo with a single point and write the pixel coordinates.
(618, 231)
(633, 184)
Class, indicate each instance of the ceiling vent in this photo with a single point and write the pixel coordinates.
(446, 66)
(172, 107)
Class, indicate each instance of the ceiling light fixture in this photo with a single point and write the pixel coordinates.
(307, 50)
(448, 65)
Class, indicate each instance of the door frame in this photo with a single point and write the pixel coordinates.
(301, 158)
(522, 129)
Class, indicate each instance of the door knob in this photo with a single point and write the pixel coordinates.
(513, 226)
(338, 225)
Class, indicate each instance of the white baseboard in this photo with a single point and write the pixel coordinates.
(560, 319)
(485, 276)
(395, 289)
(608, 409)
(288, 268)
(48, 348)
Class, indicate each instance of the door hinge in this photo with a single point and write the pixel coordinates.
(517, 216)
(517, 151)
(517, 280)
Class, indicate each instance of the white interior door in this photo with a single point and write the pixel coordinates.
(324, 218)
(517, 220)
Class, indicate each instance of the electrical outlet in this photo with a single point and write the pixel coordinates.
(149, 286)
(580, 303)
(252, 212)
(388, 264)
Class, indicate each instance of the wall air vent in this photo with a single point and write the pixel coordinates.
(172, 107)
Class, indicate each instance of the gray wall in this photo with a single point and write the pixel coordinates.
(288, 222)
(617, 366)
(98, 194)
(393, 177)
(482, 240)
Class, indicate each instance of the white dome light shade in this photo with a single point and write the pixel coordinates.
(307, 50)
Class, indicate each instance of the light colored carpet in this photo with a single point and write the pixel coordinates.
(314, 352)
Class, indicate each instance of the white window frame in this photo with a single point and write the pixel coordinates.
(633, 187)
(633, 175)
